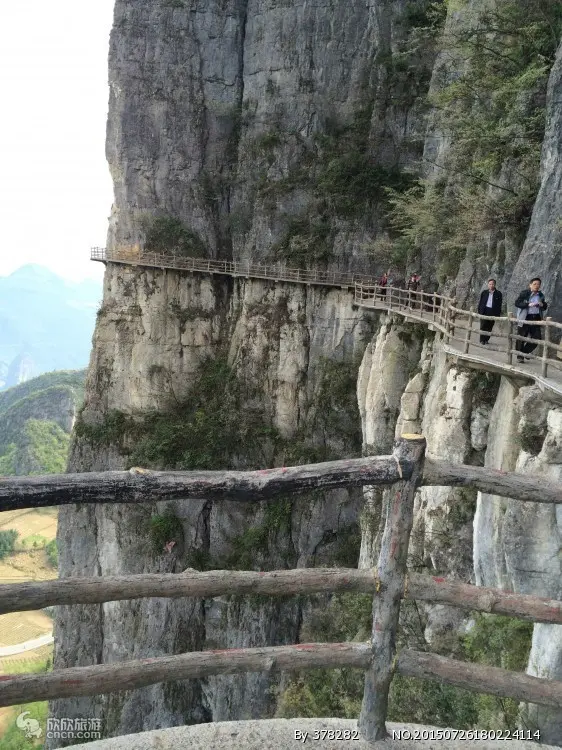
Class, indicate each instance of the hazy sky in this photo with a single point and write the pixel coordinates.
(55, 191)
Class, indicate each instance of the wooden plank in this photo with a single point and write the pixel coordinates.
(391, 572)
(480, 679)
(110, 678)
(492, 481)
(143, 485)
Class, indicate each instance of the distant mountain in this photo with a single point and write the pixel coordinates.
(36, 419)
(46, 323)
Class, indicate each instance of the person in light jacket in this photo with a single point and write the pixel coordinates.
(490, 304)
(531, 305)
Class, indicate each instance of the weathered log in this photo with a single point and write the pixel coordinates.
(142, 485)
(481, 599)
(131, 675)
(493, 482)
(480, 679)
(391, 572)
(33, 595)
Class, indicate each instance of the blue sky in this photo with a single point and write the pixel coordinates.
(55, 192)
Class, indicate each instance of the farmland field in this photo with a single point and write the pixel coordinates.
(33, 661)
(18, 627)
(26, 566)
(30, 522)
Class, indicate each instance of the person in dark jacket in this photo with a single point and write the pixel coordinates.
(491, 305)
(531, 305)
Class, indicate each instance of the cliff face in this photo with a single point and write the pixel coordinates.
(268, 130)
(264, 127)
(542, 252)
(288, 345)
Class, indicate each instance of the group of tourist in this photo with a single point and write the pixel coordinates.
(531, 305)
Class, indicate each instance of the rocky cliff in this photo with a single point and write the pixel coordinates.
(287, 131)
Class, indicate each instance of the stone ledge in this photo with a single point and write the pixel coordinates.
(279, 734)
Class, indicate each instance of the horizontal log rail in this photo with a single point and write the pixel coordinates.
(524, 487)
(132, 675)
(33, 595)
(480, 679)
(143, 485)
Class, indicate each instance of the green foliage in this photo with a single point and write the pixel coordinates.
(166, 234)
(48, 445)
(8, 460)
(210, 427)
(53, 553)
(531, 438)
(111, 430)
(73, 379)
(15, 739)
(250, 547)
(305, 241)
(7, 542)
(485, 387)
(493, 640)
(330, 692)
(492, 113)
(163, 529)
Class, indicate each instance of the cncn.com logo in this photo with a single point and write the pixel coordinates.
(60, 729)
(74, 729)
(73, 735)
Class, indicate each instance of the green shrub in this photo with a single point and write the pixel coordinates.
(207, 429)
(7, 542)
(492, 113)
(165, 234)
(163, 529)
(14, 739)
(53, 553)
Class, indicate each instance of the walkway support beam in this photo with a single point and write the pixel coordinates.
(391, 578)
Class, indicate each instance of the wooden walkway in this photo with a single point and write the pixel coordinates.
(458, 328)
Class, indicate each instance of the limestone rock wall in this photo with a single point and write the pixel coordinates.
(146, 351)
(517, 545)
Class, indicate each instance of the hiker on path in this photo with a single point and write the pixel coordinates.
(530, 304)
(413, 286)
(383, 283)
(491, 305)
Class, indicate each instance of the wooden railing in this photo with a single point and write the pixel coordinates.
(243, 268)
(461, 328)
(406, 469)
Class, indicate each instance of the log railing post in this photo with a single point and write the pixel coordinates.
(545, 343)
(470, 323)
(511, 321)
(452, 314)
(390, 579)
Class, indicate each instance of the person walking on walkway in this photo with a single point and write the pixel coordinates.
(383, 283)
(530, 304)
(491, 305)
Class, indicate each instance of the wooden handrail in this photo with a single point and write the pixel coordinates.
(143, 485)
(132, 675)
(33, 595)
